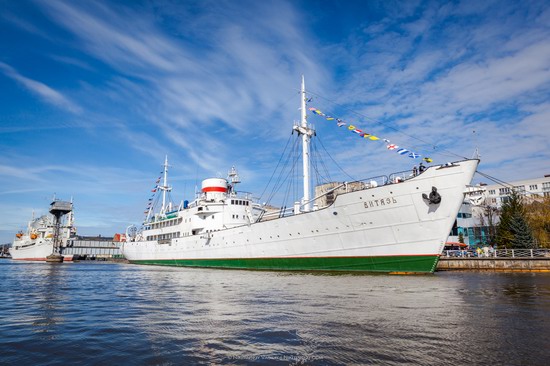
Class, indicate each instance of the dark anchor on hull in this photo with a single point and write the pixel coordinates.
(434, 198)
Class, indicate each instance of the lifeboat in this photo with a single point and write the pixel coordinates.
(19, 235)
(34, 236)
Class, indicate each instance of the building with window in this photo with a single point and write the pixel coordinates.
(479, 212)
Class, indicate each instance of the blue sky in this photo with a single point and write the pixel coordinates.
(94, 94)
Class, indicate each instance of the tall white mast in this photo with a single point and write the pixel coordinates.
(306, 132)
(305, 148)
(164, 186)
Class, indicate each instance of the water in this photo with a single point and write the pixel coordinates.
(107, 313)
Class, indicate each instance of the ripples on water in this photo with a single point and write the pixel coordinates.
(104, 313)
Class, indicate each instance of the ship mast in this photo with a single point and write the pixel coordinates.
(165, 188)
(306, 132)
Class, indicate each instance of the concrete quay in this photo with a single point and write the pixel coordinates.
(494, 264)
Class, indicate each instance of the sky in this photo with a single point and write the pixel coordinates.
(95, 94)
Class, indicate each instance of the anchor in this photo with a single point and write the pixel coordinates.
(434, 198)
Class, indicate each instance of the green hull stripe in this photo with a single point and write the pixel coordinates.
(425, 264)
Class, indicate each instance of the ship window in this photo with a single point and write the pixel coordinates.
(232, 202)
(212, 216)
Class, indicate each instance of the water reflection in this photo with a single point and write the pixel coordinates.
(240, 315)
(49, 299)
(156, 315)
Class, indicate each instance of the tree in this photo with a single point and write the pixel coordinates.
(513, 230)
(538, 217)
(487, 216)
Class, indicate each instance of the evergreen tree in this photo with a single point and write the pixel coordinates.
(513, 231)
(522, 233)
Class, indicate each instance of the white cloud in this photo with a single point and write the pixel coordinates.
(45, 92)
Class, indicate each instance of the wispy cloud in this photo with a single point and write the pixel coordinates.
(439, 72)
(234, 69)
(46, 93)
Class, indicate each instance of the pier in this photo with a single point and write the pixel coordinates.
(93, 248)
(508, 260)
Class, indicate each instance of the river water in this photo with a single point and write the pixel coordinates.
(122, 314)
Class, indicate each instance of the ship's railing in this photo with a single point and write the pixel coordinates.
(403, 176)
(368, 183)
(242, 195)
(497, 253)
(282, 212)
(339, 188)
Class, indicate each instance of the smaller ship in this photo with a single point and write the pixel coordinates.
(46, 236)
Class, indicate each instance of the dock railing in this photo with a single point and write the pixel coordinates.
(497, 253)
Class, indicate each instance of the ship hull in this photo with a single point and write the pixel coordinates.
(391, 228)
(37, 251)
(404, 264)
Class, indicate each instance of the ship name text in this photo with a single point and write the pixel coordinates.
(381, 202)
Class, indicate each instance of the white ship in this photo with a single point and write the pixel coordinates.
(392, 224)
(39, 241)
